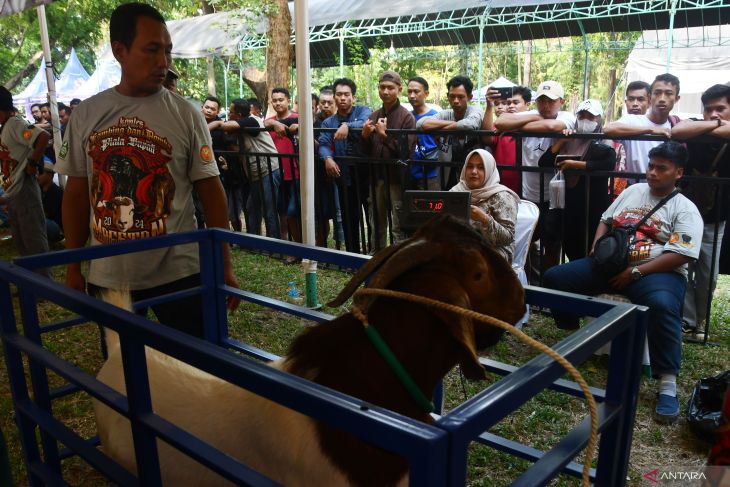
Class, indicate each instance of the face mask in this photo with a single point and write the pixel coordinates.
(586, 126)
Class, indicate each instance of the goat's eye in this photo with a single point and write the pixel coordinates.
(477, 276)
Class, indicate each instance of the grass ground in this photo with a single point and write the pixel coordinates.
(538, 423)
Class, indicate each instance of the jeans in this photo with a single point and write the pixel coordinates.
(701, 284)
(261, 204)
(53, 231)
(662, 293)
(383, 198)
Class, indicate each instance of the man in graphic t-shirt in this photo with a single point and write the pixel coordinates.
(21, 148)
(134, 154)
(656, 276)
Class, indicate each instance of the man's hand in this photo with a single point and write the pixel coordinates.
(663, 132)
(622, 279)
(232, 302)
(31, 169)
(75, 279)
(342, 132)
(279, 128)
(331, 168)
(570, 164)
(492, 96)
(381, 126)
(215, 124)
(367, 129)
(294, 128)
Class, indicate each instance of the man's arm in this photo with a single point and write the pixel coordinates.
(616, 130)
(75, 213)
(435, 122)
(39, 147)
(544, 125)
(512, 122)
(664, 263)
(213, 198)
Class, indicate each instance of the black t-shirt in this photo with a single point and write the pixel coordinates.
(701, 157)
(52, 199)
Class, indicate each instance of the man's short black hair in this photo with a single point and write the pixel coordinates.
(345, 82)
(639, 85)
(242, 107)
(45, 105)
(667, 78)
(327, 89)
(254, 103)
(714, 92)
(75, 101)
(421, 81)
(64, 108)
(672, 151)
(281, 90)
(457, 81)
(524, 92)
(123, 22)
(213, 99)
(35, 105)
(315, 99)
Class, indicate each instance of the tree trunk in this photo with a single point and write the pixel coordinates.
(278, 51)
(13, 82)
(611, 95)
(256, 80)
(527, 66)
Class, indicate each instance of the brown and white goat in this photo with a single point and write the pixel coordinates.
(444, 260)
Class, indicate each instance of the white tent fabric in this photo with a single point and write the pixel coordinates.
(72, 77)
(220, 33)
(9, 7)
(37, 89)
(500, 82)
(704, 63)
(107, 74)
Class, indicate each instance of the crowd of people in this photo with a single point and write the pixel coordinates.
(141, 161)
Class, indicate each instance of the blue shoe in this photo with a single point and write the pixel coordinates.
(667, 409)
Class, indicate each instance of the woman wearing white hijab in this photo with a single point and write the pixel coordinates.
(493, 206)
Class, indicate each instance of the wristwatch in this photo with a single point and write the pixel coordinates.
(636, 273)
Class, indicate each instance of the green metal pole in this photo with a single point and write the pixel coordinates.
(342, 53)
(481, 60)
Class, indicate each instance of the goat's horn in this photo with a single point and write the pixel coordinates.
(365, 271)
(407, 258)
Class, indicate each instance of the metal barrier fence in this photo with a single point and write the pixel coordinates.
(359, 219)
(436, 453)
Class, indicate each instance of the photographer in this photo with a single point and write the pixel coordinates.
(21, 149)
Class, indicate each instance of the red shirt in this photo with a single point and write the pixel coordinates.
(285, 145)
(505, 153)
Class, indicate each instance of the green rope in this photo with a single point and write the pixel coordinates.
(398, 369)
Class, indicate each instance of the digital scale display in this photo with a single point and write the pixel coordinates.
(427, 205)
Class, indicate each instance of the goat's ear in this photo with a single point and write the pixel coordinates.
(462, 330)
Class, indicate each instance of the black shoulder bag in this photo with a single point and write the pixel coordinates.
(611, 252)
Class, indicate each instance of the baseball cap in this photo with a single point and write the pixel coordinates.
(6, 100)
(551, 89)
(591, 106)
(391, 76)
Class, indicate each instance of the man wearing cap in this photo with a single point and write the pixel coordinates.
(585, 155)
(133, 155)
(657, 121)
(547, 118)
(461, 116)
(386, 190)
(21, 148)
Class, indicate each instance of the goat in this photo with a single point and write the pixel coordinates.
(444, 260)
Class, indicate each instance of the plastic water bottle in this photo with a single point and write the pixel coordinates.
(293, 295)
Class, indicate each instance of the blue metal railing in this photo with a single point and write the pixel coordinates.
(436, 454)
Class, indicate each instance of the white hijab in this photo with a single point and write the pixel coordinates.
(491, 184)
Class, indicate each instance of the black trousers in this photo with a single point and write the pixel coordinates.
(184, 314)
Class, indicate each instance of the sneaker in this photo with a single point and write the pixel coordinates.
(687, 327)
(667, 409)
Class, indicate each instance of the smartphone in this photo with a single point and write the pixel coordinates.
(567, 157)
(505, 91)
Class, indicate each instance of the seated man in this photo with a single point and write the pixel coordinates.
(51, 197)
(656, 276)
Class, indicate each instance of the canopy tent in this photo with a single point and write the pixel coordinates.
(107, 75)
(699, 58)
(72, 78)
(37, 89)
(501, 82)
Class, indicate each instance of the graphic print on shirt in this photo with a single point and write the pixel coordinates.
(131, 186)
(646, 237)
(7, 166)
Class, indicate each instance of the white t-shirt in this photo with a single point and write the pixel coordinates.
(637, 151)
(141, 157)
(675, 227)
(532, 149)
(16, 144)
